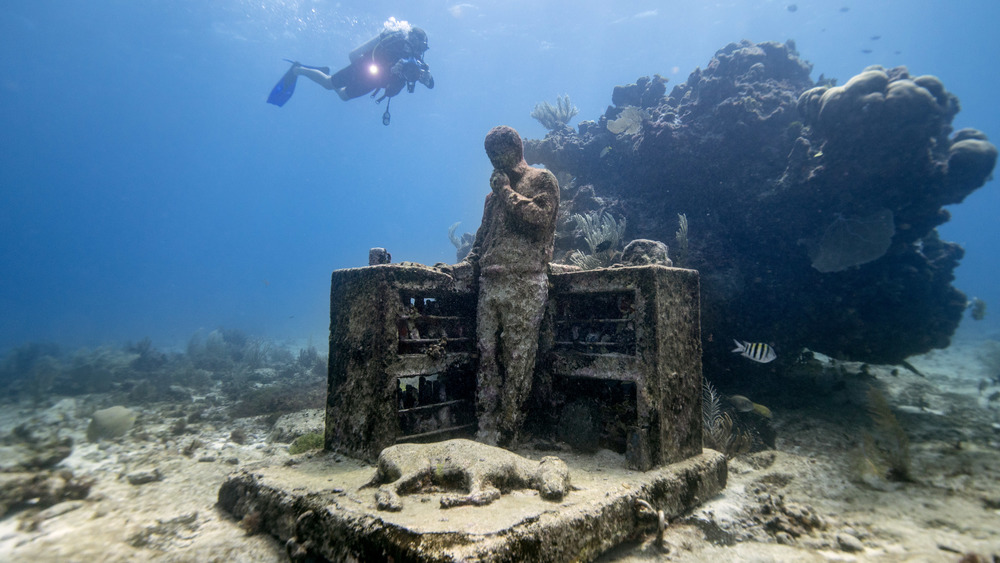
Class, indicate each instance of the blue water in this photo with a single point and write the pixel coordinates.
(147, 189)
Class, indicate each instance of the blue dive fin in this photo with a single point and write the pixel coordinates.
(283, 90)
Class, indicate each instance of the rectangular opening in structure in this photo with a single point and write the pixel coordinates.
(592, 414)
(595, 323)
(436, 323)
(437, 406)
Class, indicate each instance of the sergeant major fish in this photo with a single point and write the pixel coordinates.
(756, 351)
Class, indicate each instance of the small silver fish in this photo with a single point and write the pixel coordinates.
(756, 351)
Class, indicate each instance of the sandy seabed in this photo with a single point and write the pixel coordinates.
(806, 500)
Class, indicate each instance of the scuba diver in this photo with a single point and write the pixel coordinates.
(387, 62)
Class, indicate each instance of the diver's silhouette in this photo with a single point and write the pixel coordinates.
(388, 62)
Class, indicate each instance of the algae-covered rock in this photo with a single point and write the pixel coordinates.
(643, 252)
(40, 489)
(144, 476)
(292, 425)
(306, 442)
(33, 444)
(110, 423)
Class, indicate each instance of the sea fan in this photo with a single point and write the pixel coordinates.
(892, 444)
(719, 430)
(629, 121)
(711, 405)
(555, 117)
(585, 261)
(603, 235)
(717, 424)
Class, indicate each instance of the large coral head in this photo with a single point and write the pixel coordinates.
(504, 147)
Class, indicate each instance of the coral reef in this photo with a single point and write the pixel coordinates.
(555, 117)
(815, 206)
(278, 397)
(645, 93)
(259, 377)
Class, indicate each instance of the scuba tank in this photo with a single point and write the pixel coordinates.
(364, 49)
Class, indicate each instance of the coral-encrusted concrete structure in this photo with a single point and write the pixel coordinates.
(619, 379)
(620, 361)
(630, 333)
(402, 341)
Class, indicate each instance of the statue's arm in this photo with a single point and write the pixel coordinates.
(539, 209)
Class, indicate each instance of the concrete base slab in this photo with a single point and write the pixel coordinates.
(320, 507)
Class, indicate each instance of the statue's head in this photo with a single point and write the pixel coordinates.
(503, 146)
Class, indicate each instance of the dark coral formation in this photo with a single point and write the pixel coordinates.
(812, 209)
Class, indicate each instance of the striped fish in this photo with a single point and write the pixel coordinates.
(756, 351)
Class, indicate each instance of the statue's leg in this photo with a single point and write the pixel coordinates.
(521, 317)
(488, 379)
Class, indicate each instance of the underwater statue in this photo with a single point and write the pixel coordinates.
(481, 472)
(510, 256)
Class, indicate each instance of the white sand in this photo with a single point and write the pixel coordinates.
(810, 482)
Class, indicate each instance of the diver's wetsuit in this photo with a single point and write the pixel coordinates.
(390, 49)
